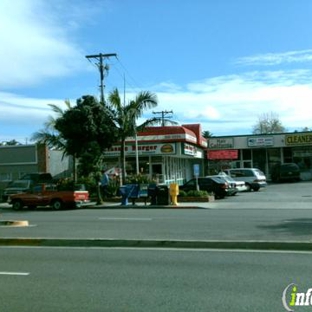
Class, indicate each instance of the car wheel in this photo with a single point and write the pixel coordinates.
(248, 187)
(17, 205)
(57, 204)
(256, 188)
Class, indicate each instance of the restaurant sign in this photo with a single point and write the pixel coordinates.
(143, 149)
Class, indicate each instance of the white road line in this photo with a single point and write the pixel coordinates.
(15, 273)
(126, 219)
(297, 221)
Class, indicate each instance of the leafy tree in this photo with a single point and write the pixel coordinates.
(88, 129)
(268, 123)
(83, 131)
(304, 129)
(126, 115)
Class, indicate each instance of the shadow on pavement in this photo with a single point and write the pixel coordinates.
(297, 227)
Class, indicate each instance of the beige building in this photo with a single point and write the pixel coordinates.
(261, 151)
(17, 160)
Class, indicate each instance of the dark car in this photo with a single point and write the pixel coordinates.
(38, 177)
(25, 184)
(16, 187)
(215, 185)
(285, 172)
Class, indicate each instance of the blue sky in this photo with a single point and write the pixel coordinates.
(221, 63)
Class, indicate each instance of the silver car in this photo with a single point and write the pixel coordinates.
(253, 177)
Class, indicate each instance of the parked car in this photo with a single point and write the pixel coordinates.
(284, 172)
(239, 185)
(232, 185)
(26, 183)
(216, 185)
(49, 195)
(17, 187)
(41, 177)
(253, 177)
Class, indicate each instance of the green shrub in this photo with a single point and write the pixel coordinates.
(182, 193)
(138, 179)
(197, 193)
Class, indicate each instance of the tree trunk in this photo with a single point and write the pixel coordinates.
(123, 161)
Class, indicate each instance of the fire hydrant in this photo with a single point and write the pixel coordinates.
(174, 192)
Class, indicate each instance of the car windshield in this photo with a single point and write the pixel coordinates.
(259, 172)
(20, 184)
(218, 179)
(287, 167)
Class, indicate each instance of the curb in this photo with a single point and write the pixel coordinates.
(211, 244)
(13, 223)
(112, 206)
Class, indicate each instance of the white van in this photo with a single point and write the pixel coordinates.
(253, 177)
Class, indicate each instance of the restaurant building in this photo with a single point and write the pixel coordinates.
(166, 154)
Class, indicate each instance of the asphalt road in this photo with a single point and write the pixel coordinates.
(285, 216)
(99, 280)
(160, 279)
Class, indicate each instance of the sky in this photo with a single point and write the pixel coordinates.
(220, 63)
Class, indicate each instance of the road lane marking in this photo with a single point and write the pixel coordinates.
(297, 221)
(126, 219)
(15, 273)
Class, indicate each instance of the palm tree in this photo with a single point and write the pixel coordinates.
(125, 116)
(50, 136)
(207, 134)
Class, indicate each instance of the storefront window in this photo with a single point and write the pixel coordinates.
(303, 158)
(287, 155)
(143, 166)
(246, 154)
(274, 157)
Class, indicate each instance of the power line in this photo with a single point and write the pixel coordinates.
(164, 116)
(128, 73)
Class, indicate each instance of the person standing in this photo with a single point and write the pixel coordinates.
(104, 183)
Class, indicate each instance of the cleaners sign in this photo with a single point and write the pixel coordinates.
(298, 139)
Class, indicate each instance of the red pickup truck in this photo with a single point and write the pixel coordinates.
(48, 195)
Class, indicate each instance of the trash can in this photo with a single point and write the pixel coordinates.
(152, 193)
(163, 195)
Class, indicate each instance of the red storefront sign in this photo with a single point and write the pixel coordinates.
(223, 154)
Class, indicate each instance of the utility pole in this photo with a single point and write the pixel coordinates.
(100, 58)
(163, 115)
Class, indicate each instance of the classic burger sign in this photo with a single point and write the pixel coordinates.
(143, 149)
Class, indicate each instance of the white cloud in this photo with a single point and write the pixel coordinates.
(232, 104)
(223, 105)
(33, 44)
(270, 59)
(37, 42)
(22, 116)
